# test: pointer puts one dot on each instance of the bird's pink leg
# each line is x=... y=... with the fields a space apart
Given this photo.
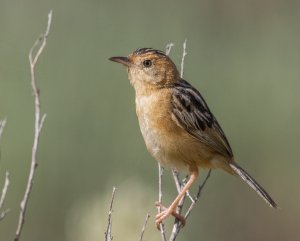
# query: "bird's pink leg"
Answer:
x=166 y=212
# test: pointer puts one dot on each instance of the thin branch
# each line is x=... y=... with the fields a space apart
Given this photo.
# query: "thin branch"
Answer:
x=41 y=41
x=177 y=223
x=4 y=213
x=189 y=196
x=182 y=59
x=2 y=125
x=175 y=174
x=179 y=187
x=34 y=55
x=160 y=174
x=144 y=226
x=4 y=189
x=3 y=196
x=108 y=234
x=169 y=48
x=198 y=195
x=6 y=182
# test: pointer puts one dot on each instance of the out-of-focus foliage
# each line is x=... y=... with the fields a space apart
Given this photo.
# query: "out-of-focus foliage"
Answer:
x=244 y=57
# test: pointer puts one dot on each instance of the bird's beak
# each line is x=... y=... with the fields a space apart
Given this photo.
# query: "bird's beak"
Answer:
x=122 y=60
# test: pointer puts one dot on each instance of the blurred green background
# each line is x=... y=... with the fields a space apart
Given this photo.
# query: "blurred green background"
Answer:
x=244 y=56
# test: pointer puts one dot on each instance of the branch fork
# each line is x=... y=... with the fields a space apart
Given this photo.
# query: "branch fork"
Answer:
x=34 y=54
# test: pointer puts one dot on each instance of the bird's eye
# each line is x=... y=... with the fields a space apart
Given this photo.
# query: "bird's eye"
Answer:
x=147 y=63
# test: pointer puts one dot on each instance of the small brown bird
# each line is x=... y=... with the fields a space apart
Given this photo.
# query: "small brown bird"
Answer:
x=177 y=126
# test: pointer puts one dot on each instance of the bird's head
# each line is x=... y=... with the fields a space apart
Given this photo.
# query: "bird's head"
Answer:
x=149 y=68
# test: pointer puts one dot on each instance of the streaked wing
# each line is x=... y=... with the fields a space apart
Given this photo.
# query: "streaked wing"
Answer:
x=192 y=114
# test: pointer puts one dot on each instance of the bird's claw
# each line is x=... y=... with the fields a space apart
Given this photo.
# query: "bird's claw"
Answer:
x=166 y=212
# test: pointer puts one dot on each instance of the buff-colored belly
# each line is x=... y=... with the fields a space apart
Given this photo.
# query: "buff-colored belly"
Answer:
x=166 y=141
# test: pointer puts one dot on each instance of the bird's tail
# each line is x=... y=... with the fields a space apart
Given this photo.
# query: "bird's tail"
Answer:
x=253 y=184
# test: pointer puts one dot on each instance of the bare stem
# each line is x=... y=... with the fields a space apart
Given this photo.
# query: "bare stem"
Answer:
x=4 y=213
x=175 y=174
x=2 y=125
x=183 y=57
x=169 y=48
x=4 y=189
x=160 y=174
x=108 y=233
x=179 y=187
x=3 y=195
x=34 y=55
x=177 y=223
x=144 y=226
x=198 y=195
x=6 y=182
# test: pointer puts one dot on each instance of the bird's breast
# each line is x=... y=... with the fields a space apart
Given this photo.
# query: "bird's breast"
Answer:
x=149 y=116
x=161 y=134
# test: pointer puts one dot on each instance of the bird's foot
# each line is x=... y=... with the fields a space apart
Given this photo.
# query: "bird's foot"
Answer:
x=166 y=212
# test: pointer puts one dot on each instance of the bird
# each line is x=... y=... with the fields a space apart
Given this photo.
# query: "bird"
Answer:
x=177 y=125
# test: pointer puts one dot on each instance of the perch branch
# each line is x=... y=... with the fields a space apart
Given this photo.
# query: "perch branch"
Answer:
x=34 y=55
x=161 y=225
x=179 y=187
x=177 y=223
x=179 y=184
x=108 y=234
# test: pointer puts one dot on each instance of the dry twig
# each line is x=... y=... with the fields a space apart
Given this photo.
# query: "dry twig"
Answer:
x=161 y=225
x=6 y=182
x=2 y=125
x=34 y=55
x=169 y=48
x=177 y=223
x=144 y=226
x=194 y=201
x=4 y=213
x=184 y=53
x=108 y=233
x=3 y=196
